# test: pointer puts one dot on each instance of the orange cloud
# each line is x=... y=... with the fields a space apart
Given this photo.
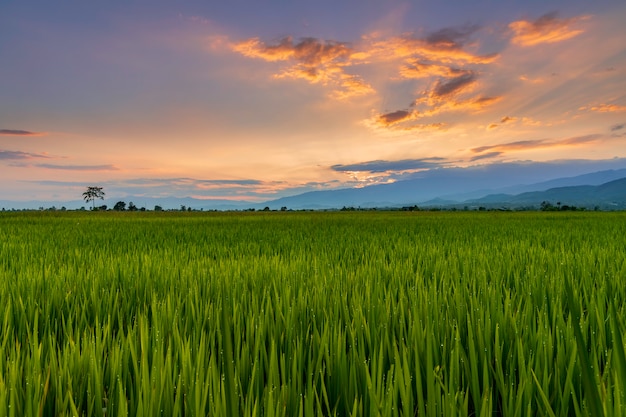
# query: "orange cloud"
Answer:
x=531 y=80
x=605 y=108
x=351 y=86
x=547 y=29
x=505 y=119
x=316 y=61
x=410 y=47
x=445 y=46
x=418 y=69
x=425 y=126
x=393 y=118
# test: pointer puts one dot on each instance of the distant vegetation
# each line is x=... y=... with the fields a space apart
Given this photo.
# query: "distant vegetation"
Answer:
x=300 y=313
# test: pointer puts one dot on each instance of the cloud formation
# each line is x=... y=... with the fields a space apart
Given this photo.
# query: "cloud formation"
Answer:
x=504 y=120
x=446 y=46
x=441 y=54
x=19 y=155
x=314 y=60
x=451 y=86
x=385 y=166
x=446 y=67
x=605 y=108
x=17 y=132
x=487 y=155
x=79 y=167
x=395 y=117
x=537 y=143
x=547 y=29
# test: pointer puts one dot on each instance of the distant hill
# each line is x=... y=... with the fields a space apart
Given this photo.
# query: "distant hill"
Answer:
x=611 y=195
x=490 y=186
x=449 y=187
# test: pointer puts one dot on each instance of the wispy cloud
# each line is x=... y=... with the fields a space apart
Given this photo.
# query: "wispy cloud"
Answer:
x=547 y=29
x=19 y=155
x=617 y=127
x=446 y=46
x=384 y=166
x=538 y=143
x=17 y=132
x=418 y=69
x=504 y=120
x=605 y=108
x=79 y=167
x=487 y=155
x=424 y=126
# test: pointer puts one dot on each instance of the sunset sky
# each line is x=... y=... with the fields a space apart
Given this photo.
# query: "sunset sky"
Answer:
x=254 y=100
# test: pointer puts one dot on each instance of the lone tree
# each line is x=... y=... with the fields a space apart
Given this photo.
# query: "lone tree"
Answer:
x=92 y=194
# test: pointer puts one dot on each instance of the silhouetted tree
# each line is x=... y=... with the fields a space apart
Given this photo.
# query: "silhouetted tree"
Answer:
x=92 y=194
x=132 y=206
x=119 y=206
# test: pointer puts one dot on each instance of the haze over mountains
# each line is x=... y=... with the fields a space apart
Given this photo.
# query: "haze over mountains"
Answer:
x=450 y=190
x=451 y=187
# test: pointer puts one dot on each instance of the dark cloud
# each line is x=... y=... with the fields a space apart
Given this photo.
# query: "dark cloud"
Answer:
x=487 y=155
x=19 y=155
x=392 y=118
x=383 y=166
x=16 y=132
x=79 y=167
x=452 y=37
x=453 y=85
x=617 y=127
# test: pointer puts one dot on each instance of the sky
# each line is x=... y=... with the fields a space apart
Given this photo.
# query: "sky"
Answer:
x=256 y=100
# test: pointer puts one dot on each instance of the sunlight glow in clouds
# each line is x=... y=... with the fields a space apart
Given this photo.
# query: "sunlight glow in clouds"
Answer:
x=202 y=99
x=547 y=29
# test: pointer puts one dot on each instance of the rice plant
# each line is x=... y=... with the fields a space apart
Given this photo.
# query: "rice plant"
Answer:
x=310 y=313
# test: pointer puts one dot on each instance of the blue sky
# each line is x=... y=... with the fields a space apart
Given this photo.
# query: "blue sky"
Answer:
x=253 y=100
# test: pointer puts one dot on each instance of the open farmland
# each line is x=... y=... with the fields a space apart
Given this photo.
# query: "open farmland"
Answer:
x=272 y=314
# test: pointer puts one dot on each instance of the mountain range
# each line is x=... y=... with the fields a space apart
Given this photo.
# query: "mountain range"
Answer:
x=460 y=190
x=451 y=187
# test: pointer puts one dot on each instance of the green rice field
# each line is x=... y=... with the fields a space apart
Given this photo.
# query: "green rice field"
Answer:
x=312 y=314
